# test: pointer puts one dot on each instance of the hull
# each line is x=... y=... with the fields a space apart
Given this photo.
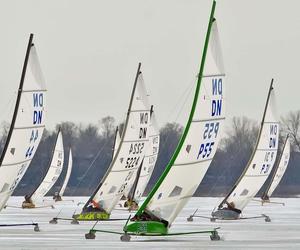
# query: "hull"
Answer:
x=225 y=214
x=146 y=228
x=91 y=216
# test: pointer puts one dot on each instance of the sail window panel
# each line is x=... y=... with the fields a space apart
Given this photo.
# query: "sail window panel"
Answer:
x=176 y=191
x=245 y=192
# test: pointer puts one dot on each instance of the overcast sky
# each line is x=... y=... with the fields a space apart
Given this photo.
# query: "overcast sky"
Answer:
x=89 y=52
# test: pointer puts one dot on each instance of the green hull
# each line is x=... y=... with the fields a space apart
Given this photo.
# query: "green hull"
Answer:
x=146 y=227
x=91 y=216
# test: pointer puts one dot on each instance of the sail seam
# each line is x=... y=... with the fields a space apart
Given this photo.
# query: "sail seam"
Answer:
x=16 y=163
x=41 y=126
x=206 y=120
x=192 y=163
x=38 y=90
x=204 y=76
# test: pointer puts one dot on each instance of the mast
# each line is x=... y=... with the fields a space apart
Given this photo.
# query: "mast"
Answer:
x=185 y=132
x=255 y=148
x=49 y=164
x=264 y=195
x=121 y=141
x=20 y=89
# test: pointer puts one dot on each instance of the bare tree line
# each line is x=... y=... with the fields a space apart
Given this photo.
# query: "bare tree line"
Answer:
x=93 y=140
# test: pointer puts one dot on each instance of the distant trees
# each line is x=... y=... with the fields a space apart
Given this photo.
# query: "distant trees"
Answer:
x=291 y=126
x=92 y=147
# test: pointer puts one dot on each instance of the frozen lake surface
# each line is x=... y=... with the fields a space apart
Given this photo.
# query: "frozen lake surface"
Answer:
x=281 y=233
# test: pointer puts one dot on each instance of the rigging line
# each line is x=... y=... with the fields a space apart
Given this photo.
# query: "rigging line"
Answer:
x=184 y=95
x=87 y=170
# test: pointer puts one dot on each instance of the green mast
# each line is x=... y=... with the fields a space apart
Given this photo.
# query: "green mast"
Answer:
x=185 y=132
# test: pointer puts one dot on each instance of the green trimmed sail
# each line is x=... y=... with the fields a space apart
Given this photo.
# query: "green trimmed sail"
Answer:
x=196 y=147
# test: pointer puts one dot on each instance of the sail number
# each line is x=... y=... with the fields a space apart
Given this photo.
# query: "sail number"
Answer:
x=269 y=158
x=136 y=148
x=211 y=130
x=131 y=162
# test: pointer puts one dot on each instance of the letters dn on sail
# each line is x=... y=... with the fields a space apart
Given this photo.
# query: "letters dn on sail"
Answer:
x=38 y=100
x=216 y=105
x=144 y=117
x=273 y=135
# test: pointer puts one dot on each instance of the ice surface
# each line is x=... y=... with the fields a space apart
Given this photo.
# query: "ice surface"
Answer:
x=281 y=233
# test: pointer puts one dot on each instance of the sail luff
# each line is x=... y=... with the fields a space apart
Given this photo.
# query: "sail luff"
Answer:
x=255 y=148
x=49 y=164
x=18 y=99
x=185 y=132
x=121 y=141
x=265 y=194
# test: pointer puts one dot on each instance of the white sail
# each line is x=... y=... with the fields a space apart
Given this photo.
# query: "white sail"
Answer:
x=193 y=157
x=27 y=125
x=68 y=174
x=121 y=173
x=149 y=160
x=282 y=166
x=261 y=162
x=53 y=172
x=117 y=142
